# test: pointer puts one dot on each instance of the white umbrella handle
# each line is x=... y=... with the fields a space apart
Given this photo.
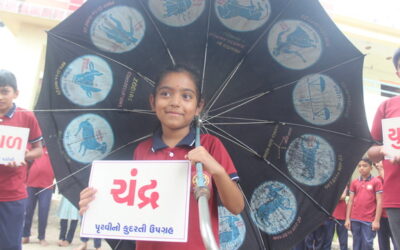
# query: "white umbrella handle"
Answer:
x=202 y=195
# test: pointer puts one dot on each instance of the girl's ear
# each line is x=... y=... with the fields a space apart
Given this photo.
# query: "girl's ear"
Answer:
x=152 y=102
x=200 y=107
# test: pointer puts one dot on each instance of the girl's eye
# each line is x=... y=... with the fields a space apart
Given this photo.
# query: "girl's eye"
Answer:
x=164 y=93
x=187 y=96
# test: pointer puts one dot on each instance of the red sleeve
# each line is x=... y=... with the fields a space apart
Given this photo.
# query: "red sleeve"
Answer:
x=378 y=186
x=35 y=133
x=219 y=152
x=353 y=187
x=376 y=130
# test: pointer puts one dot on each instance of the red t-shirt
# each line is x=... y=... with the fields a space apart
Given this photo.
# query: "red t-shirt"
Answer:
x=364 y=202
x=41 y=173
x=391 y=188
x=340 y=210
x=155 y=149
x=12 y=180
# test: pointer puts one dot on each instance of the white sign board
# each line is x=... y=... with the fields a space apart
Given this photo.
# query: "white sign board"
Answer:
x=391 y=135
x=139 y=200
x=13 y=142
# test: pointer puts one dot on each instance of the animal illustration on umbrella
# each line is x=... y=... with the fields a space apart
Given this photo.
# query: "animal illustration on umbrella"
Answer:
x=89 y=139
x=86 y=80
x=295 y=39
x=115 y=31
x=176 y=7
x=232 y=8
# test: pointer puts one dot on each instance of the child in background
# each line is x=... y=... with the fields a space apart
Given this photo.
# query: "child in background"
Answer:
x=67 y=212
x=340 y=215
x=40 y=177
x=13 y=192
x=176 y=100
x=364 y=208
x=384 y=232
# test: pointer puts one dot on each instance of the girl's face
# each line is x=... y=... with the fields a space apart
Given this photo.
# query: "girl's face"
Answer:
x=175 y=101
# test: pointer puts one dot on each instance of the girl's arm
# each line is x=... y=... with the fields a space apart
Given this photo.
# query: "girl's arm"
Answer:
x=35 y=152
x=378 y=212
x=347 y=223
x=228 y=190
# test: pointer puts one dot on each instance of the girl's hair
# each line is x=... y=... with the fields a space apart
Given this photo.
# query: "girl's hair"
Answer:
x=367 y=160
x=179 y=68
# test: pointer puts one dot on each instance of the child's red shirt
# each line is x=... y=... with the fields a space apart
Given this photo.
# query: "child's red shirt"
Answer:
x=13 y=180
x=364 y=202
x=155 y=149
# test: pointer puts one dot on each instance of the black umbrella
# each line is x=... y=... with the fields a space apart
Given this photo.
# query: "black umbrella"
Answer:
x=283 y=89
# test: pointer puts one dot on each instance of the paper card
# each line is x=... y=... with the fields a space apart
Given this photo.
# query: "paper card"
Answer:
x=391 y=135
x=13 y=141
x=139 y=200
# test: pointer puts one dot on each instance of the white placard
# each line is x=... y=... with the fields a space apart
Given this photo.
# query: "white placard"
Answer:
x=154 y=206
x=391 y=136
x=13 y=142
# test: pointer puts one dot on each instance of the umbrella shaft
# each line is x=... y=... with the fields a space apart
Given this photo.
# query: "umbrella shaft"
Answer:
x=205 y=224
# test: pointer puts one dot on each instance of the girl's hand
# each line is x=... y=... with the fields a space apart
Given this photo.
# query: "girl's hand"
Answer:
x=200 y=154
x=347 y=225
x=86 y=196
x=375 y=225
x=14 y=164
x=395 y=159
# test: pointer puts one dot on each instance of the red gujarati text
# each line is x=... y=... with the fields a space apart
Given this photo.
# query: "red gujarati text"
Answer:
x=394 y=135
x=130 y=197
x=7 y=141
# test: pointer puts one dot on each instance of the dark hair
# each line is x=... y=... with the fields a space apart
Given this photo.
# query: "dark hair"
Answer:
x=193 y=74
x=8 y=79
x=396 y=58
x=367 y=160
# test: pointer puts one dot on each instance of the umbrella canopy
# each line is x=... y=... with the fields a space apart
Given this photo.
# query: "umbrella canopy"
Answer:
x=283 y=90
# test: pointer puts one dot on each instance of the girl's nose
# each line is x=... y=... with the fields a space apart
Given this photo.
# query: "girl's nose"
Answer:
x=175 y=100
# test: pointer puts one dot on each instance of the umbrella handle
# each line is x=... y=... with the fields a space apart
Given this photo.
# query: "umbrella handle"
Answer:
x=199 y=166
x=202 y=194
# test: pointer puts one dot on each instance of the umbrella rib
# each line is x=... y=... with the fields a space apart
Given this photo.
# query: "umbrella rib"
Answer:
x=141 y=111
x=243 y=145
x=232 y=139
x=88 y=165
x=159 y=33
x=325 y=130
x=218 y=93
x=148 y=80
x=206 y=48
x=241 y=103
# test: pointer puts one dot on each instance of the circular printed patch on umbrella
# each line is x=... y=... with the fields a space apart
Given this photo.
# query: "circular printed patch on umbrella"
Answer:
x=117 y=30
x=294 y=44
x=274 y=207
x=88 y=137
x=243 y=15
x=177 y=13
x=87 y=80
x=310 y=160
x=318 y=99
x=232 y=229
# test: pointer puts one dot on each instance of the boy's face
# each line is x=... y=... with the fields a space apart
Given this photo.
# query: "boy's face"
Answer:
x=364 y=169
x=7 y=96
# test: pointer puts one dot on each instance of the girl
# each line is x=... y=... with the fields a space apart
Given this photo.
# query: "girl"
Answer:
x=176 y=100
x=67 y=212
